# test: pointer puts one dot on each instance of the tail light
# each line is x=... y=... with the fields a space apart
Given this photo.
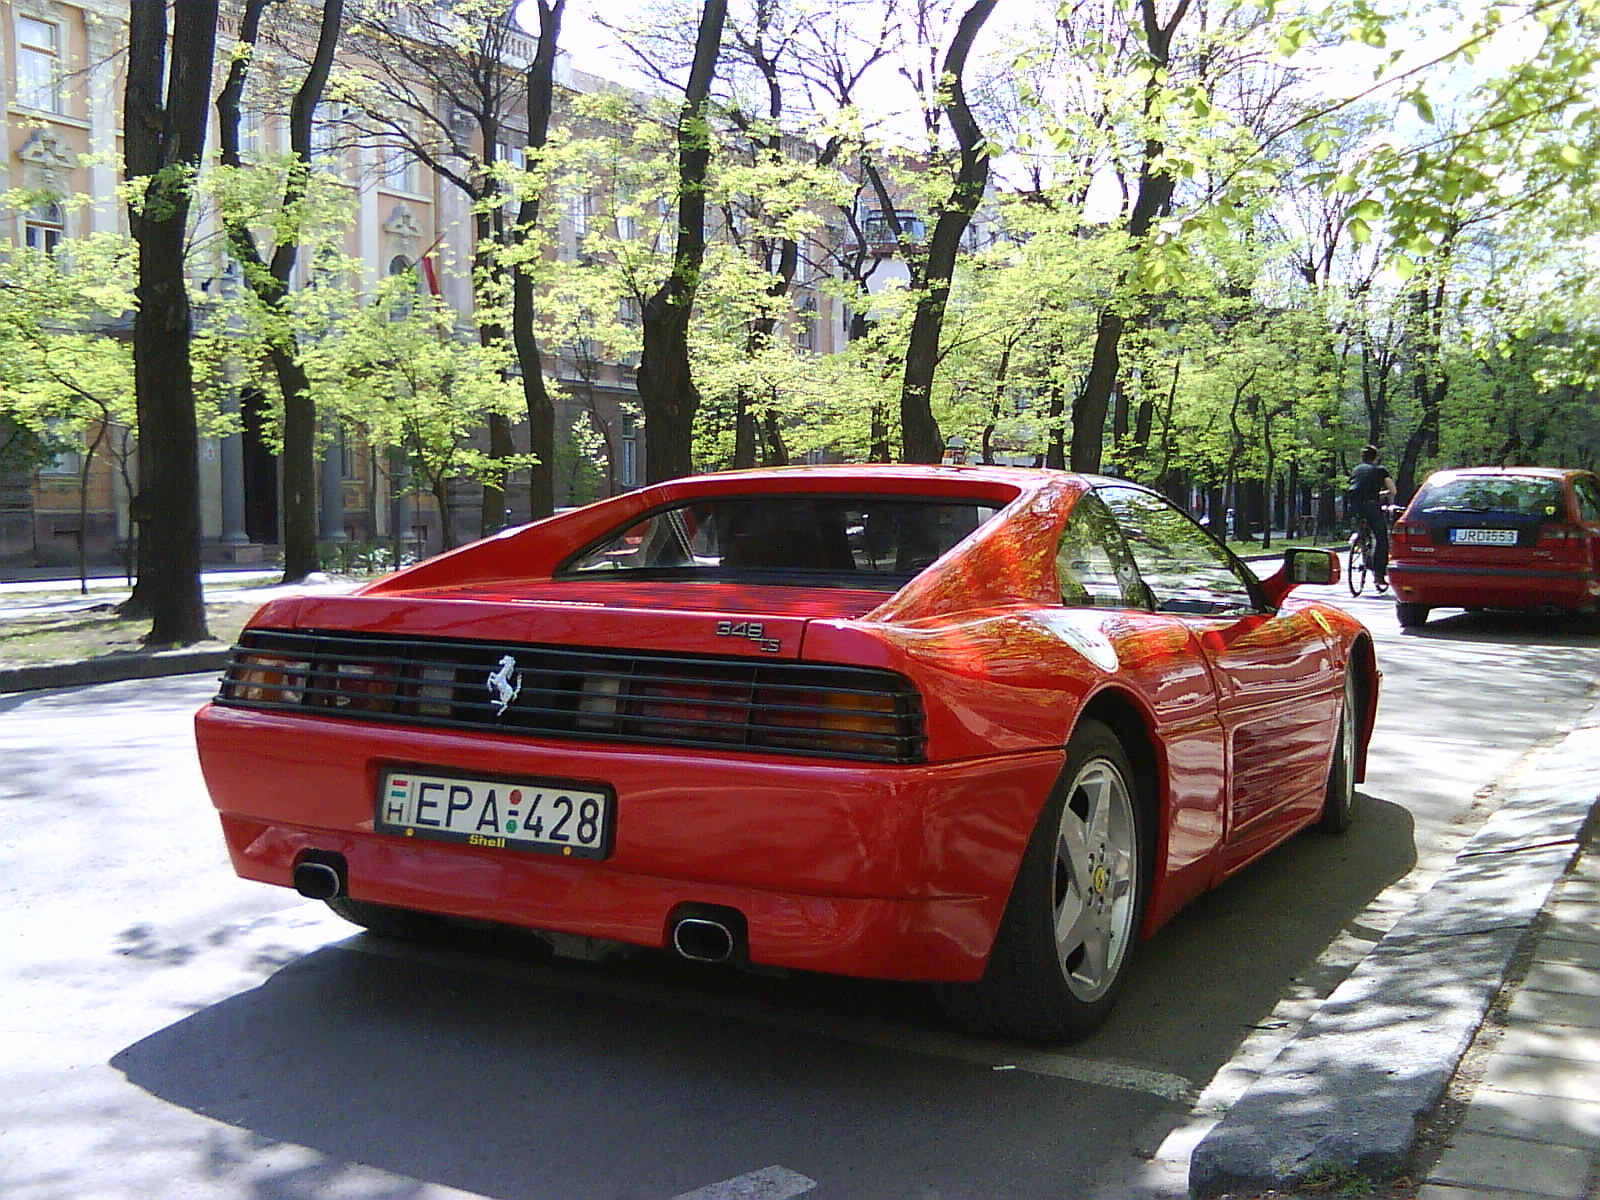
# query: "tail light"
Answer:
x=817 y=709
x=363 y=687
x=849 y=722
x=266 y=678
x=710 y=711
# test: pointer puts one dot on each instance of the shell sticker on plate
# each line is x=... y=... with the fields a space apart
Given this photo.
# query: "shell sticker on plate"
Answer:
x=550 y=816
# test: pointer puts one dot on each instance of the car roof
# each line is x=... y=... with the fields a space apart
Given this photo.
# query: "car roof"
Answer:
x=1506 y=473
x=846 y=474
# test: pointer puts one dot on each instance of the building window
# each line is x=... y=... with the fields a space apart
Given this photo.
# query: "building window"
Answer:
x=398 y=166
x=44 y=227
x=68 y=443
x=231 y=277
x=579 y=212
x=400 y=267
x=629 y=473
x=627 y=223
x=878 y=228
x=514 y=156
x=805 y=334
x=39 y=65
x=325 y=135
x=249 y=133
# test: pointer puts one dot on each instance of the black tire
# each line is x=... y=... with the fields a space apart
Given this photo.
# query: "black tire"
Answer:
x=1410 y=615
x=404 y=923
x=1339 y=798
x=1091 y=853
x=1355 y=575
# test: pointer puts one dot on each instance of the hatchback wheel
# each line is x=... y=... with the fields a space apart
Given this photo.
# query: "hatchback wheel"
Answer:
x=1411 y=615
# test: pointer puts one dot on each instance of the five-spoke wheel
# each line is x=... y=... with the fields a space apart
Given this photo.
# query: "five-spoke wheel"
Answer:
x=1064 y=945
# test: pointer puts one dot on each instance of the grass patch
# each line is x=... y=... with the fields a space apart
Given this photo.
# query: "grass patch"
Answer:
x=70 y=635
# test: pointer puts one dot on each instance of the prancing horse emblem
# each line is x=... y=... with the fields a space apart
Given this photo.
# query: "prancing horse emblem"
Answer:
x=503 y=688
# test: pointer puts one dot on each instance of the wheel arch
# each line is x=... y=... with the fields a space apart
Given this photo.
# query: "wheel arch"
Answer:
x=1121 y=712
x=1363 y=661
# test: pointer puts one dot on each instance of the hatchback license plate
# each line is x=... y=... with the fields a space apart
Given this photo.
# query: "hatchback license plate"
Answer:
x=551 y=816
x=1483 y=537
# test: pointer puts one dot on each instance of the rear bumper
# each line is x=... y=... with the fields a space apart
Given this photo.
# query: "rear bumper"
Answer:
x=880 y=871
x=1437 y=584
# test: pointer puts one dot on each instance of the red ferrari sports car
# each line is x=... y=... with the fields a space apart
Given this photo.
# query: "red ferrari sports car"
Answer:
x=978 y=726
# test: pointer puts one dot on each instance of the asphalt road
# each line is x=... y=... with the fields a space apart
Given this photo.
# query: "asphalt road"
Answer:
x=168 y=1030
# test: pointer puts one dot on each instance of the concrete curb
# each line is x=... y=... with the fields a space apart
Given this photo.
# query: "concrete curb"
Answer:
x=112 y=668
x=1354 y=1087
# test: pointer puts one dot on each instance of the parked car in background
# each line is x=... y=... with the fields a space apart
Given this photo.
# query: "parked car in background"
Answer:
x=977 y=726
x=1498 y=537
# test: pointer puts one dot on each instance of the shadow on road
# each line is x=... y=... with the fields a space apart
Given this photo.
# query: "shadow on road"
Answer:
x=522 y=1087
x=1516 y=628
x=1218 y=967
x=481 y=1066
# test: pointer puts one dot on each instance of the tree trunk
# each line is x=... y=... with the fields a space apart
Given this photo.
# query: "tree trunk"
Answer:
x=524 y=336
x=269 y=279
x=1154 y=197
x=164 y=138
x=666 y=383
x=919 y=431
x=299 y=462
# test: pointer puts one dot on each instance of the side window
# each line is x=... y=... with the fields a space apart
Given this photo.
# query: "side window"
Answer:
x=1588 y=496
x=1185 y=568
x=1092 y=563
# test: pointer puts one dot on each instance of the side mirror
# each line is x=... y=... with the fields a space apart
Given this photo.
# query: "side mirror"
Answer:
x=1301 y=564
x=1304 y=565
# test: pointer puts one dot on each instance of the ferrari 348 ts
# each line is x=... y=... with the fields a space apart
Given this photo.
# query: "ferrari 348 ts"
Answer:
x=978 y=726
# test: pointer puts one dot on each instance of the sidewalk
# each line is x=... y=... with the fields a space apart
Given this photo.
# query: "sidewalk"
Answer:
x=1482 y=1003
x=1531 y=1125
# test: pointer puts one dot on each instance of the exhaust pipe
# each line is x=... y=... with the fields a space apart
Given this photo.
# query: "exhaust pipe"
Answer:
x=317 y=880
x=700 y=939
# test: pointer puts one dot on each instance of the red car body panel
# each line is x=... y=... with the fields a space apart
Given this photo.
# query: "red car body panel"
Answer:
x=888 y=869
x=1555 y=562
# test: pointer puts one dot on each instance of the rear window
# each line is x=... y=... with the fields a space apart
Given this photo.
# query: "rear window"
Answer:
x=1526 y=496
x=853 y=541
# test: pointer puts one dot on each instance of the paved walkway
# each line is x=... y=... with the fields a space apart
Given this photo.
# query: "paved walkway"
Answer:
x=1531 y=1127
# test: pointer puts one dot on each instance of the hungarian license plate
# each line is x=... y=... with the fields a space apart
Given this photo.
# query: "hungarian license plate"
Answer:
x=1483 y=537
x=551 y=816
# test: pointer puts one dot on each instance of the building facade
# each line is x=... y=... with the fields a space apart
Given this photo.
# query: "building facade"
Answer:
x=61 y=66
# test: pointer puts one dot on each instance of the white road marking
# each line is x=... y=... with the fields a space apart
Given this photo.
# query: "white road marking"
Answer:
x=769 y=1183
x=957 y=1046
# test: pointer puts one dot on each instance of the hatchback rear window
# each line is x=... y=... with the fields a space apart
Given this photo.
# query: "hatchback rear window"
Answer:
x=860 y=541
x=1527 y=496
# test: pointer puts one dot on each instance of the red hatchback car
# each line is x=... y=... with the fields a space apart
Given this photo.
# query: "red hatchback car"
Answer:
x=1499 y=537
x=978 y=726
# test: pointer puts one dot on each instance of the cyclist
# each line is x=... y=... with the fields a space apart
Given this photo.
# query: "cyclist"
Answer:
x=1371 y=488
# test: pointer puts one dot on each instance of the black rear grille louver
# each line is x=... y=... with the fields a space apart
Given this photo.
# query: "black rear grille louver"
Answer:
x=582 y=693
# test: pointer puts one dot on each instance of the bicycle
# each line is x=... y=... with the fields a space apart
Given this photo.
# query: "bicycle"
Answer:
x=1358 y=557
